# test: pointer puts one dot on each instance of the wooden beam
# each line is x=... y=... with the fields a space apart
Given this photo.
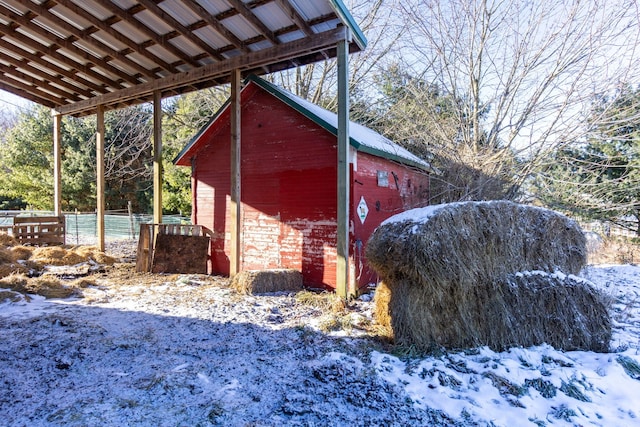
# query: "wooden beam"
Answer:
x=26 y=95
x=343 y=279
x=85 y=37
x=157 y=158
x=52 y=51
x=211 y=20
x=11 y=73
x=39 y=60
x=253 y=19
x=122 y=38
x=162 y=41
x=213 y=71
x=24 y=21
x=292 y=13
x=236 y=195
x=23 y=64
x=57 y=164
x=34 y=89
x=100 y=203
x=174 y=23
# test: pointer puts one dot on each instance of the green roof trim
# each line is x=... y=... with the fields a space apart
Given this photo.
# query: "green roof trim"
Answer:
x=320 y=115
x=346 y=17
x=361 y=138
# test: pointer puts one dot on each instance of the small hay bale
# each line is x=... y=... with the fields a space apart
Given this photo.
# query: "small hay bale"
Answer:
x=451 y=271
x=263 y=281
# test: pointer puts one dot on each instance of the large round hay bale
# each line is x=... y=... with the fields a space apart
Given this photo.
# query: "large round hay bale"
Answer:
x=264 y=281
x=451 y=270
x=468 y=242
x=520 y=310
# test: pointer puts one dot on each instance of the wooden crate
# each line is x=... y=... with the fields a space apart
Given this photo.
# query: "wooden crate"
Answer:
x=173 y=248
x=39 y=230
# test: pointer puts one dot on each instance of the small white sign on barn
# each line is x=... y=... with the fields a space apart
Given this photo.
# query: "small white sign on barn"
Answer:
x=363 y=209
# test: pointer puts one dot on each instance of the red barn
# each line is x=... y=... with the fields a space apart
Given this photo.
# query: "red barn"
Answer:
x=289 y=185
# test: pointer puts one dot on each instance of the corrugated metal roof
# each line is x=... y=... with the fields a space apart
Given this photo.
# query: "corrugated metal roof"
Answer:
x=100 y=47
x=360 y=137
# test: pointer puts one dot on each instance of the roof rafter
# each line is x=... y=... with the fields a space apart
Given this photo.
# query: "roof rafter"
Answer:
x=244 y=10
x=12 y=71
x=57 y=44
x=213 y=71
x=163 y=41
x=211 y=20
x=38 y=59
x=107 y=28
x=77 y=54
x=174 y=23
x=85 y=36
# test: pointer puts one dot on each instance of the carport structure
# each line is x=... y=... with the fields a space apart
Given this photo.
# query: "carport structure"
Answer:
x=82 y=57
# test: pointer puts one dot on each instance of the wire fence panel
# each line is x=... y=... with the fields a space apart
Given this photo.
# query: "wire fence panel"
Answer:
x=81 y=228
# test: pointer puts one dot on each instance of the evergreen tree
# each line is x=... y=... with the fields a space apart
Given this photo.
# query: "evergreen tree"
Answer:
x=599 y=178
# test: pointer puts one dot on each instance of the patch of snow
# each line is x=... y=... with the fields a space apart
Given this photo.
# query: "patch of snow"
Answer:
x=185 y=351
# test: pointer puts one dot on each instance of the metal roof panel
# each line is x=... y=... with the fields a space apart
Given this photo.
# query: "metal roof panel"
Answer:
x=126 y=39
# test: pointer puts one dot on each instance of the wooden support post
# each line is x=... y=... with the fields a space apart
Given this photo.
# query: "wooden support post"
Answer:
x=157 y=157
x=57 y=164
x=100 y=203
x=343 y=287
x=235 y=199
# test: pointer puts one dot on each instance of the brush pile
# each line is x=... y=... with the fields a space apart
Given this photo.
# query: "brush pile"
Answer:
x=497 y=273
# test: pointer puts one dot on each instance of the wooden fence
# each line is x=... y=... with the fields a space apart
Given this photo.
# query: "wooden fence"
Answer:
x=38 y=230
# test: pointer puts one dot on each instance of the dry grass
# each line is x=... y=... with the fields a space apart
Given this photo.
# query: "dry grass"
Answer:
x=615 y=250
x=51 y=287
x=22 y=252
x=452 y=280
x=382 y=315
x=325 y=301
x=6 y=256
x=57 y=255
x=92 y=252
x=16 y=261
x=46 y=286
x=6 y=240
x=263 y=281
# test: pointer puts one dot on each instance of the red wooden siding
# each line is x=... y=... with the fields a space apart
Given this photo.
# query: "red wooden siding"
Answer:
x=289 y=193
x=411 y=191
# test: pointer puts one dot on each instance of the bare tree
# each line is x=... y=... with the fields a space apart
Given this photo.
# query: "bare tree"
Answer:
x=318 y=82
x=521 y=74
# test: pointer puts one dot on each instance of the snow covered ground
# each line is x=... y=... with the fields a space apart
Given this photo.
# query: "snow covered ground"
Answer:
x=188 y=351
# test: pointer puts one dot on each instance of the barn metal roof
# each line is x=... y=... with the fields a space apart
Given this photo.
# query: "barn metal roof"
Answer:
x=360 y=137
x=73 y=55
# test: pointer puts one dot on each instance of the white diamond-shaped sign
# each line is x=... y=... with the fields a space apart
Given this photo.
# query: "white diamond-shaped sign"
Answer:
x=363 y=210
